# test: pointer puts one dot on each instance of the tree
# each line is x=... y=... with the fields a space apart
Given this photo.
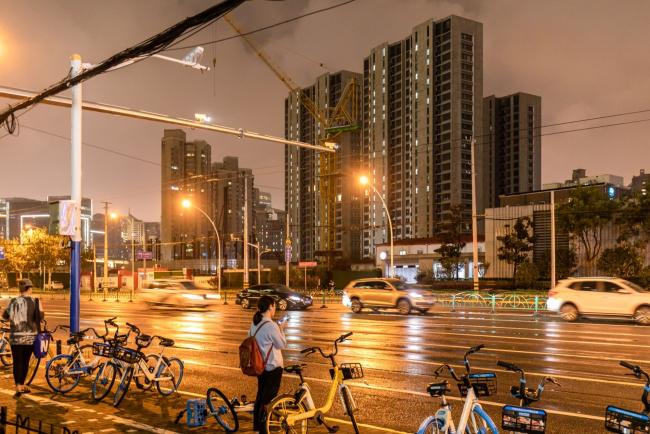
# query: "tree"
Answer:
x=566 y=261
x=585 y=216
x=516 y=243
x=634 y=220
x=621 y=261
x=527 y=274
x=16 y=257
x=451 y=243
x=44 y=251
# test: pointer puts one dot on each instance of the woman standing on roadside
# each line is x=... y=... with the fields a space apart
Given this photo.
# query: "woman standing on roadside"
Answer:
x=271 y=341
x=24 y=320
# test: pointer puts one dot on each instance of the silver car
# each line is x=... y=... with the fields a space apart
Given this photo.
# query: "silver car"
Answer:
x=179 y=293
x=386 y=293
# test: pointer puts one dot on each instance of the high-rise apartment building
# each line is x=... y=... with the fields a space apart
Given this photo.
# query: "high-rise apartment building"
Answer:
x=185 y=168
x=269 y=224
x=322 y=196
x=640 y=183
x=511 y=144
x=228 y=199
x=422 y=103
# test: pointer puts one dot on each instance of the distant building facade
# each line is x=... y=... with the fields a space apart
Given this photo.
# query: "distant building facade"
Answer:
x=185 y=168
x=322 y=197
x=511 y=142
x=640 y=183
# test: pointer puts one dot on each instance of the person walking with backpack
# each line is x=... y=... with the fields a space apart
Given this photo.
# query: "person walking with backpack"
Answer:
x=271 y=341
x=24 y=314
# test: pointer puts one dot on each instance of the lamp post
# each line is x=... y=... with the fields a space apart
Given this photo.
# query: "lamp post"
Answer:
x=363 y=180
x=259 y=260
x=186 y=203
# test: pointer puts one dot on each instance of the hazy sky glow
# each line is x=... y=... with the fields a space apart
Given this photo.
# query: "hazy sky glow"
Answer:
x=585 y=58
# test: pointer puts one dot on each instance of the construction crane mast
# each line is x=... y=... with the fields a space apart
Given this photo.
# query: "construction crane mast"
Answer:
x=334 y=121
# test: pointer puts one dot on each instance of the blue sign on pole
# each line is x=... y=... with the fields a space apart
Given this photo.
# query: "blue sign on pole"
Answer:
x=2 y=253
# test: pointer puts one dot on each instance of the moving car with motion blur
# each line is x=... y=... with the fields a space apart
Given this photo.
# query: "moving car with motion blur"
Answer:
x=284 y=297
x=386 y=293
x=177 y=293
x=599 y=296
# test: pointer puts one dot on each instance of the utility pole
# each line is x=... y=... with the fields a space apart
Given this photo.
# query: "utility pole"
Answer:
x=133 y=279
x=245 y=232
x=94 y=267
x=105 y=276
x=553 y=239
x=75 y=195
x=287 y=253
x=144 y=255
x=474 y=222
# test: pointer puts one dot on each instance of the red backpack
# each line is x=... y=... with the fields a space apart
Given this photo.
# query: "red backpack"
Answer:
x=250 y=355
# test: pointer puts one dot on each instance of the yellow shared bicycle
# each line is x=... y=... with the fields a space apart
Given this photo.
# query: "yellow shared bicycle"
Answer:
x=291 y=413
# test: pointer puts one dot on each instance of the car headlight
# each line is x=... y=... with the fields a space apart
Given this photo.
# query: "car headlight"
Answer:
x=295 y=298
x=415 y=295
x=193 y=296
x=213 y=296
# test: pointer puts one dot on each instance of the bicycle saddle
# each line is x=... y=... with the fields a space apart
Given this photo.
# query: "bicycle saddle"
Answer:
x=165 y=342
x=75 y=338
x=294 y=368
x=438 y=389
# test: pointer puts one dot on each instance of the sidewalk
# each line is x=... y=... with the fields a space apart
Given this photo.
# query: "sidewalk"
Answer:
x=141 y=412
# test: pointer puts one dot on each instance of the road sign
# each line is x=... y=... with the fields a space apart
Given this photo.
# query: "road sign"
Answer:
x=307 y=264
x=2 y=252
x=287 y=253
x=144 y=255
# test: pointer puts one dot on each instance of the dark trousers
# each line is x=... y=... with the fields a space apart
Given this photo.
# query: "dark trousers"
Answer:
x=268 y=385
x=21 y=354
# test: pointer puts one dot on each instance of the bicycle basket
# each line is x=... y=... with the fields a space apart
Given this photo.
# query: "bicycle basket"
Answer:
x=102 y=350
x=625 y=421
x=523 y=419
x=484 y=384
x=351 y=371
x=127 y=355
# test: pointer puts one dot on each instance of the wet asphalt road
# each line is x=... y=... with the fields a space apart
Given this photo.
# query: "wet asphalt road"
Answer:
x=399 y=355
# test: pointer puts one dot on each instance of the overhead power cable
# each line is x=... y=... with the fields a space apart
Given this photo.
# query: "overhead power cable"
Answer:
x=261 y=29
x=153 y=45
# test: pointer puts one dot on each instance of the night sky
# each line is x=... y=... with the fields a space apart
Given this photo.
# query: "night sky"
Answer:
x=585 y=58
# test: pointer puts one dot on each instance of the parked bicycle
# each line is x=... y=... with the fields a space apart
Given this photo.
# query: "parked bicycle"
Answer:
x=35 y=362
x=5 y=348
x=522 y=418
x=216 y=404
x=623 y=421
x=473 y=419
x=166 y=373
x=290 y=413
x=64 y=371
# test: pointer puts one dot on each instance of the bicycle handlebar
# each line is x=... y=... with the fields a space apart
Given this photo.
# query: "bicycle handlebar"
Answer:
x=509 y=366
x=342 y=338
x=472 y=350
x=449 y=369
x=636 y=369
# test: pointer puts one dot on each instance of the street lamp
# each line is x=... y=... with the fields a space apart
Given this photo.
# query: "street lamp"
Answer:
x=363 y=180
x=186 y=203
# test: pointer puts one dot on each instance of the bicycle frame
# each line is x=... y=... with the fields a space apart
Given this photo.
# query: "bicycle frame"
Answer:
x=143 y=369
x=336 y=386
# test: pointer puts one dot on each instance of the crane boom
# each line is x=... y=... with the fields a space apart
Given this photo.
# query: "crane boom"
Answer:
x=284 y=78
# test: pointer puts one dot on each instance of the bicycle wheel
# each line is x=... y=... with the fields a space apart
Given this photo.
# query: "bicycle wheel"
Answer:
x=34 y=363
x=170 y=375
x=123 y=387
x=58 y=376
x=349 y=407
x=5 y=353
x=222 y=410
x=277 y=412
x=431 y=425
x=480 y=422
x=104 y=380
x=141 y=380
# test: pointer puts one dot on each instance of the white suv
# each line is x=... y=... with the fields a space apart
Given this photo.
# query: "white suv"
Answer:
x=599 y=296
